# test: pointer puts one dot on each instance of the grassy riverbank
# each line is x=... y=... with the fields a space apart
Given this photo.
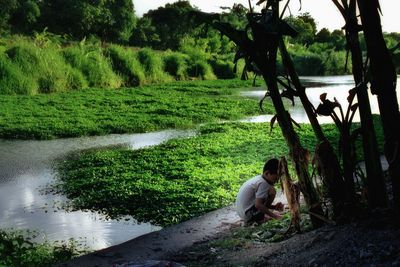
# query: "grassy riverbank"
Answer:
x=179 y=179
x=129 y=110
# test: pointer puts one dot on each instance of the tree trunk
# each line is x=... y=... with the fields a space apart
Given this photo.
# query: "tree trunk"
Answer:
x=370 y=146
x=292 y=193
x=383 y=84
x=265 y=59
x=327 y=162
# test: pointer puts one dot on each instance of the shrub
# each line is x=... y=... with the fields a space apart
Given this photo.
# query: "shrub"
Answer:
x=335 y=63
x=201 y=69
x=175 y=65
x=95 y=67
x=126 y=65
x=223 y=69
x=308 y=64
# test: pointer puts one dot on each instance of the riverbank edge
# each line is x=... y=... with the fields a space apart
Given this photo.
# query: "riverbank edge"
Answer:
x=156 y=245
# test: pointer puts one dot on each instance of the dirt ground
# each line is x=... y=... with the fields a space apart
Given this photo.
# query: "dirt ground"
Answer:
x=373 y=241
x=212 y=240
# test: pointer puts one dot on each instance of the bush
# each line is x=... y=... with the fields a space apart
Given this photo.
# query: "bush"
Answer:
x=201 y=69
x=175 y=65
x=308 y=64
x=126 y=65
x=153 y=66
x=335 y=63
x=223 y=69
x=95 y=67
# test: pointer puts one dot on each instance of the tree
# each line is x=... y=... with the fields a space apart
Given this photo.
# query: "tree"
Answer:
x=19 y=15
x=370 y=147
x=145 y=34
x=383 y=84
x=260 y=52
x=8 y=7
x=171 y=23
x=110 y=20
x=26 y=16
x=323 y=36
x=305 y=26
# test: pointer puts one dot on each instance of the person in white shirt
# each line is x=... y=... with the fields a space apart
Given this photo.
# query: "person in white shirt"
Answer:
x=255 y=197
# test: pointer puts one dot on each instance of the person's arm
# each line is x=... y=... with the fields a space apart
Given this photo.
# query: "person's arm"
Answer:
x=264 y=209
x=278 y=206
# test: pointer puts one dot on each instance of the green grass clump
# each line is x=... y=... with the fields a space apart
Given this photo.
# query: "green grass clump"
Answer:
x=126 y=64
x=153 y=66
x=45 y=67
x=129 y=110
x=95 y=67
x=175 y=64
x=201 y=69
x=18 y=249
x=223 y=69
x=13 y=81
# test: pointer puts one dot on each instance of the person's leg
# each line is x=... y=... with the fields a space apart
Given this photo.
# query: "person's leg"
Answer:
x=254 y=215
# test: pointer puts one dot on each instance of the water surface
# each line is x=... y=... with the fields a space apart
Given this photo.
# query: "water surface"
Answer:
x=335 y=87
x=26 y=169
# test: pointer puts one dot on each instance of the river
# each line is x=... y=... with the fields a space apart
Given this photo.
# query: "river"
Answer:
x=26 y=168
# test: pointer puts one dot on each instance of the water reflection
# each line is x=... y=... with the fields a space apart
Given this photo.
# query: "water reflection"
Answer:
x=26 y=167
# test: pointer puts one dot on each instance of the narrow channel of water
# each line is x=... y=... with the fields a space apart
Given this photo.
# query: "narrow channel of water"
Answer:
x=26 y=168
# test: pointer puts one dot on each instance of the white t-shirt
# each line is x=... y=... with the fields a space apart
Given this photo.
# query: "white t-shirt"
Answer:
x=256 y=187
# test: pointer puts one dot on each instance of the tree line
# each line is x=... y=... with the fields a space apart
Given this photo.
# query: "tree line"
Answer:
x=173 y=27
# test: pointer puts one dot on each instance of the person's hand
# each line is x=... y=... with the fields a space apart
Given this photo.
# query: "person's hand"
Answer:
x=277 y=216
x=279 y=206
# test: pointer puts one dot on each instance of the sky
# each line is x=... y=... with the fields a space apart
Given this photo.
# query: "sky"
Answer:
x=324 y=11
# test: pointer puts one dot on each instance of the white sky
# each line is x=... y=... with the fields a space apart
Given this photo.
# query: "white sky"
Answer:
x=324 y=11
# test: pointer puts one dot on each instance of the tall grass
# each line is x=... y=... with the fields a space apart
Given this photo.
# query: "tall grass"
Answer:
x=95 y=67
x=153 y=66
x=201 y=69
x=175 y=64
x=44 y=67
x=13 y=81
x=125 y=63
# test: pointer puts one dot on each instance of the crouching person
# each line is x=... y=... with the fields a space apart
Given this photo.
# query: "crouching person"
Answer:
x=255 y=197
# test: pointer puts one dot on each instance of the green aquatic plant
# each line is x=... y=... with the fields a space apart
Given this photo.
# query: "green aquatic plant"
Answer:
x=18 y=248
x=129 y=110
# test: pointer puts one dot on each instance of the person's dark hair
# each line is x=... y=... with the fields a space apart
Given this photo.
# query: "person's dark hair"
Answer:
x=271 y=166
